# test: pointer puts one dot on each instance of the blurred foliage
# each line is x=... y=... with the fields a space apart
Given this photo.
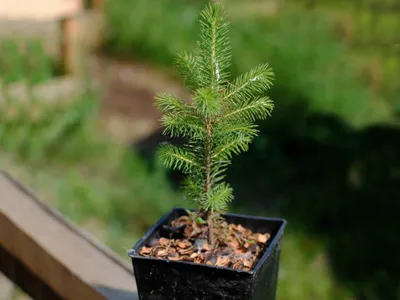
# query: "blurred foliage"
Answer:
x=63 y=145
x=304 y=271
x=44 y=137
x=299 y=46
x=370 y=29
x=27 y=62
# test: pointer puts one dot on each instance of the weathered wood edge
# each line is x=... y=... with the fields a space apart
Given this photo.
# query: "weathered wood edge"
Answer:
x=84 y=234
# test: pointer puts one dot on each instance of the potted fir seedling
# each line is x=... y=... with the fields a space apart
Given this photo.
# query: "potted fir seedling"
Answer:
x=207 y=253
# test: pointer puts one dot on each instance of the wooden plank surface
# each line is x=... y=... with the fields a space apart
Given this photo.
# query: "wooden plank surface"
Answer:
x=67 y=259
x=38 y=9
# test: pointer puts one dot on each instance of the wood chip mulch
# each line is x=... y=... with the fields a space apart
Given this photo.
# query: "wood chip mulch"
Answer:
x=238 y=247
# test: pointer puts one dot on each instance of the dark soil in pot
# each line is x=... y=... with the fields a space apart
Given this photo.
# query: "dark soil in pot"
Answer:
x=187 y=238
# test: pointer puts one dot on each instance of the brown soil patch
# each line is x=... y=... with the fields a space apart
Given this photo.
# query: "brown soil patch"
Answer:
x=127 y=96
x=237 y=248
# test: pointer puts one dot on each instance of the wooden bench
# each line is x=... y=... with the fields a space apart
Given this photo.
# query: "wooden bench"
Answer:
x=50 y=258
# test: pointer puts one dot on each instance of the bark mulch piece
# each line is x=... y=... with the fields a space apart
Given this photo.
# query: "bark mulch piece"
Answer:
x=236 y=247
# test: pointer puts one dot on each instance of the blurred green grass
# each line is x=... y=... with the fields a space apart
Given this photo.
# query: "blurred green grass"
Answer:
x=370 y=29
x=25 y=61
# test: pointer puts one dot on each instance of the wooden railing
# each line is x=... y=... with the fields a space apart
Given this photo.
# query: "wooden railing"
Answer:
x=50 y=258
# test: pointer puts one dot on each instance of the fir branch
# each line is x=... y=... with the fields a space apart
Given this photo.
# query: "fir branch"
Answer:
x=218 y=198
x=237 y=127
x=168 y=103
x=177 y=158
x=183 y=125
x=214 y=49
x=188 y=69
x=259 y=109
x=193 y=187
x=232 y=144
x=207 y=102
x=218 y=170
x=250 y=85
x=233 y=138
x=207 y=160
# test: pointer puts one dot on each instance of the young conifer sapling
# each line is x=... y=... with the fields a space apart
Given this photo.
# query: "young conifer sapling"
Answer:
x=218 y=124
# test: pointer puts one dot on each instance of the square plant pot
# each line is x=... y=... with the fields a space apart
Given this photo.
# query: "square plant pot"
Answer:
x=159 y=279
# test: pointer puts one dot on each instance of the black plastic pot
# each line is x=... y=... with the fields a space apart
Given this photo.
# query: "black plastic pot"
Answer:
x=161 y=279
